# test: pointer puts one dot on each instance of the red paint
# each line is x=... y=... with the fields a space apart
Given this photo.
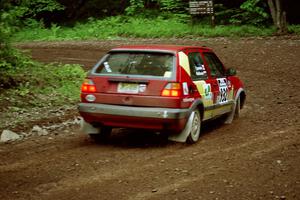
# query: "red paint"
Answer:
x=158 y=93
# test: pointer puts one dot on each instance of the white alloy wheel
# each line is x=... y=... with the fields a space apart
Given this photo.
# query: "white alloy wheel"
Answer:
x=196 y=126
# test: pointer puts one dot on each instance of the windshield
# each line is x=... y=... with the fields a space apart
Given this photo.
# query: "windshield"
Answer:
x=137 y=63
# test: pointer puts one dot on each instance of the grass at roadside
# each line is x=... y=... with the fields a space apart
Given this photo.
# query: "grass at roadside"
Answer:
x=32 y=84
x=294 y=29
x=31 y=91
x=115 y=27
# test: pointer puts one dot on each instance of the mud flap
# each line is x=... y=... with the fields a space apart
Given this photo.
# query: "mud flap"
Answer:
x=87 y=128
x=230 y=116
x=181 y=137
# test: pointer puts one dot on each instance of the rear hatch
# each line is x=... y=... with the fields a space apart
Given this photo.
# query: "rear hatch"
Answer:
x=135 y=78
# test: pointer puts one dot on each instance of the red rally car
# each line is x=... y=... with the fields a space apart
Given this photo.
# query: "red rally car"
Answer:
x=159 y=87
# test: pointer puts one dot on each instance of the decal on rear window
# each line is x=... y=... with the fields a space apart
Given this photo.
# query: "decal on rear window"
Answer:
x=200 y=70
x=197 y=67
x=168 y=74
x=107 y=67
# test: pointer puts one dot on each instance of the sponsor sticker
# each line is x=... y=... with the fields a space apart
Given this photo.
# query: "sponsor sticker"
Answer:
x=223 y=90
x=199 y=73
x=200 y=70
x=142 y=87
x=207 y=91
x=188 y=100
x=185 y=88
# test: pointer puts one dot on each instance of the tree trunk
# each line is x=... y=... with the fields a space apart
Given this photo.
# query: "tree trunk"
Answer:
x=278 y=15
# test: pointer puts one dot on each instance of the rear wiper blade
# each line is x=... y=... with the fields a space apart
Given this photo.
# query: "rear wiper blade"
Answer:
x=124 y=80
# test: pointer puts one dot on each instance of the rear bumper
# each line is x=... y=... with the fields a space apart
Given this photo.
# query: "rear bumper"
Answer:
x=130 y=111
x=134 y=117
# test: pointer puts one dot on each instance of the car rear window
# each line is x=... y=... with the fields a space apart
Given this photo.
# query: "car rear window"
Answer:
x=137 y=63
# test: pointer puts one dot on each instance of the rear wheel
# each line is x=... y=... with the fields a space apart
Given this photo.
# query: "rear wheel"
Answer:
x=104 y=133
x=196 y=126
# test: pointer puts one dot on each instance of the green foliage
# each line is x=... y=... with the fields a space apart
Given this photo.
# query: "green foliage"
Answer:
x=124 y=26
x=61 y=81
x=251 y=12
x=36 y=7
x=36 y=84
x=20 y=12
x=11 y=17
x=138 y=7
x=176 y=6
x=135 y=7
x=7 y=25
x=11 y=59
x=25 y=81
x=28 y=11
x=294 y=29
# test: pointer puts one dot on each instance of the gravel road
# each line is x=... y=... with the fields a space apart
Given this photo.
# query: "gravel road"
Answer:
x=255 y=157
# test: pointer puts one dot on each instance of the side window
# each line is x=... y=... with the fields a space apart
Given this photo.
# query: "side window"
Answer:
x=214 y=64
x=197 y=68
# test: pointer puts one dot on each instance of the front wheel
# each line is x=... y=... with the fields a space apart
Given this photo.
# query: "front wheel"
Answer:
x=195 y=129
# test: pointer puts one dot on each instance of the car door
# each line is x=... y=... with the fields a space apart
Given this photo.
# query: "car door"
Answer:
x=199 y=75
x=220 y=84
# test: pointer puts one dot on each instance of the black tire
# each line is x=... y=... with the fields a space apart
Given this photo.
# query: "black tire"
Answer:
x=103 y=135
x=196 y=128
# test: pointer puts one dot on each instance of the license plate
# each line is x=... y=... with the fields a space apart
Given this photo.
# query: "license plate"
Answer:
x=131 y=88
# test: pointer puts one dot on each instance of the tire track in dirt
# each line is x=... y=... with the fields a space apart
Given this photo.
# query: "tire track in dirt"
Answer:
x=256 y=157
x=104 y=175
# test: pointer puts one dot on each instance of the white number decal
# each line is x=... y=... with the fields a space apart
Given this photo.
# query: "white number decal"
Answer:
x=223 y=90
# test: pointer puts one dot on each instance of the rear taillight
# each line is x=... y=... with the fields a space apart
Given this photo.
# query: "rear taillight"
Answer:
x=88 y=86
x=172 y=90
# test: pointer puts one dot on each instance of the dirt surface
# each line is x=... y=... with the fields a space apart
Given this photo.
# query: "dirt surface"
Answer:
x=256 y=157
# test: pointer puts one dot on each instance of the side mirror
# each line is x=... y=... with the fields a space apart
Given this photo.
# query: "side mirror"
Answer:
x=230 y=72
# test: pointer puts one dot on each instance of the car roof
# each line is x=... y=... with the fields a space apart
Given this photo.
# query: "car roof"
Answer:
x=173 y=48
